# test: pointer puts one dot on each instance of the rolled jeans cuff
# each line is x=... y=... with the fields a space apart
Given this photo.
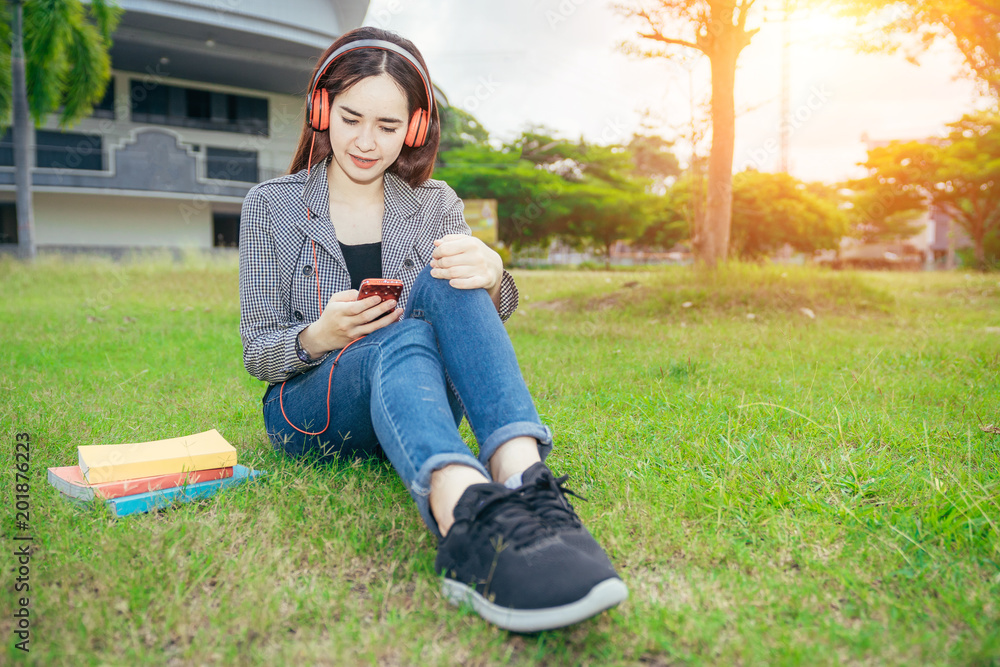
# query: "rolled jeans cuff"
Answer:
x=420 y=487
x=539 y=432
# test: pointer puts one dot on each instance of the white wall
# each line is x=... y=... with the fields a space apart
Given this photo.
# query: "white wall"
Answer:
x=108 y=220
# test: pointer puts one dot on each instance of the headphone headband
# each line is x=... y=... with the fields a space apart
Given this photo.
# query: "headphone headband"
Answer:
x=373 y=44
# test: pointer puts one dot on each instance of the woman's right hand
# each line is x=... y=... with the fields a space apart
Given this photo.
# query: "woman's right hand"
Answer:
x=345 y=319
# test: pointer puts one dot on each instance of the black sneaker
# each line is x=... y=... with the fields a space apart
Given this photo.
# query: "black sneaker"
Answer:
x=516 y=572
x=546 y=495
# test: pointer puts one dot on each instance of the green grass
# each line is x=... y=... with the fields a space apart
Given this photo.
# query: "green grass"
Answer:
x=774 y=490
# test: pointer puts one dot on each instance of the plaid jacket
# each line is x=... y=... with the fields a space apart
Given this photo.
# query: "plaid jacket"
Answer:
x=277 y=283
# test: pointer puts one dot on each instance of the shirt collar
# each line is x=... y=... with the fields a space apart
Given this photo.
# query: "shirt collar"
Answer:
x=400 y=200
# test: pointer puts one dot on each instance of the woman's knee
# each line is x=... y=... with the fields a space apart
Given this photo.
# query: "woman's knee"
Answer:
x=410 y=331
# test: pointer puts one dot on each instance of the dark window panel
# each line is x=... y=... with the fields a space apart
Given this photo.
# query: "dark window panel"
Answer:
x=201 y=109
x=199 y=104
x=7 y=149
x=106 y=107
x=8 y=222
x=68 y=150
x=226 y=230
x=231 y=165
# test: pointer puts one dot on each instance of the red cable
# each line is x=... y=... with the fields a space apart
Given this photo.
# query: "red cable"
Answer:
x=319 y=299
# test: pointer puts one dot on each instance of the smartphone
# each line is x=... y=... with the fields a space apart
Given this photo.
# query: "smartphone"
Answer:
x=384 y=287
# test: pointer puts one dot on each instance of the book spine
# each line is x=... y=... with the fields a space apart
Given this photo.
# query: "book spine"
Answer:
x=145 y=502
x=131 y=487
x=101 y=474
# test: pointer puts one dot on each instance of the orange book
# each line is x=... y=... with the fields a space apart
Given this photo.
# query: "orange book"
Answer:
x=71 y=482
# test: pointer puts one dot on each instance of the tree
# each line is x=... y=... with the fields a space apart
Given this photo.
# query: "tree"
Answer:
x=653 y=157
x=604 y=215
x=59 y=58
x=959 y=175
x=718 y=30
x=972 y=25
x=549 y=187
x=771 y=210
x=459 y=127
x=528 y=197
x=671 y=217
x=878 y=213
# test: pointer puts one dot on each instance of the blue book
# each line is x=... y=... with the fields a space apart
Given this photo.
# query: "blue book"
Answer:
x=153 y=500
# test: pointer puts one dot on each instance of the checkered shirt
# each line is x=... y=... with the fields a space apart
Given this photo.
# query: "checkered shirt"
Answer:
x=278 y=296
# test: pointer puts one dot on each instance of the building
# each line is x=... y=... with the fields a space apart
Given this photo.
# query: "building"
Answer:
x=206 y=99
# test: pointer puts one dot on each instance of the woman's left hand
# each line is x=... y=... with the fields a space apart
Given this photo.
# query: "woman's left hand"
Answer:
x=466 y=263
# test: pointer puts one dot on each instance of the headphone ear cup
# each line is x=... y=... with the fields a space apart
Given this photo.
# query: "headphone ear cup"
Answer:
x=416 y=132
x=319 y=118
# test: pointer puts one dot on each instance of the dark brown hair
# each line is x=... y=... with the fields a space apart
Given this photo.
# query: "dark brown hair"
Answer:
x=414 y=165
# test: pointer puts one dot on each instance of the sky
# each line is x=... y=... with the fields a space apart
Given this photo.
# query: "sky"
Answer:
x=557 y=63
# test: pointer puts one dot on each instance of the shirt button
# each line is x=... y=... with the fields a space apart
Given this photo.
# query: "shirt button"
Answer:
x=298 y=315
x=408 y=263
x=307 y=270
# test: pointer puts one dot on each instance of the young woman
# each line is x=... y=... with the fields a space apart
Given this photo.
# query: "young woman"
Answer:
x=368 y=377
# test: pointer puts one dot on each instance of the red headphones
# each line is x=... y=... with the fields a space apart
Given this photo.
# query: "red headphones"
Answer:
x=318 y=109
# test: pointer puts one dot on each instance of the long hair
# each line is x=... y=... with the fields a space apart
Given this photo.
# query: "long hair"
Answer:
x=414 y=165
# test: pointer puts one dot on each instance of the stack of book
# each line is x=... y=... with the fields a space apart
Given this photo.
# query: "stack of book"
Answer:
x=146 y=476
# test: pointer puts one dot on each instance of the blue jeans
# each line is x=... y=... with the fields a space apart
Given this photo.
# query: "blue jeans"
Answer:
x=403 y=389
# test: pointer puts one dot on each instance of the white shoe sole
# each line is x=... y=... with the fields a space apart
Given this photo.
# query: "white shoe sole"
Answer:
x=604 y=595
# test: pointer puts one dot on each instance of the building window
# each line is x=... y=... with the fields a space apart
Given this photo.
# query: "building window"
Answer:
x=198 y=108
x=68 y=150
x=58 y=150
x=231 y=165
x=7 y=149
x=226 y=230
x=8 y=223
x=106 y=107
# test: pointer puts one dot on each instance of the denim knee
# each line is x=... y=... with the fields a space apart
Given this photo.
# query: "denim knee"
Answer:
x=416 y=331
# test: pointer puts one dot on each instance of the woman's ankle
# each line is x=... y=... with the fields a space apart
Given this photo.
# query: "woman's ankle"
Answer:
x=447 y=486
x=513 y=457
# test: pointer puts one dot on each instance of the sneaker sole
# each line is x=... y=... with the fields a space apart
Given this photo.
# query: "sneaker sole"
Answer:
x=601 y=597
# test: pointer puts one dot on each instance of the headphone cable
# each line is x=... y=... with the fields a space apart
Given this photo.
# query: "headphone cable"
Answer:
x=319 y=300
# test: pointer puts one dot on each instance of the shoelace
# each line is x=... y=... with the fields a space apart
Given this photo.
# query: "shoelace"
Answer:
x=509 y=511
x=547 y=497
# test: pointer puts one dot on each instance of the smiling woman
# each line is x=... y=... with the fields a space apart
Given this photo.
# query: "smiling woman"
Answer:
x=365 y=130
x=354 y=377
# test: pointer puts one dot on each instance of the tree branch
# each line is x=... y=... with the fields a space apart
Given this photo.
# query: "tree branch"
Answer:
x=983 y=6
x=657 y=37
x=744 y=11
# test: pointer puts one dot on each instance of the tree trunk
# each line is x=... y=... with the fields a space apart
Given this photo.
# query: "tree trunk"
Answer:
x=719 y=206
x=23 y=132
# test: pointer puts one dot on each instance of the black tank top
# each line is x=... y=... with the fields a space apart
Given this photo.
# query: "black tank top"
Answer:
x=363 y=261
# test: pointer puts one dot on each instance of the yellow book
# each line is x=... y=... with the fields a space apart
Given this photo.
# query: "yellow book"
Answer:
x=115 y=463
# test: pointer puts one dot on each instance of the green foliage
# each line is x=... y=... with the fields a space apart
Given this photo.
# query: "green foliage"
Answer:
x=973 y=26
x=526 y=196
x=459 y=127
x=653 y=157
x=671 y=216
x=878 y=212
x=960 y=174
x=770 y=210
x=66 y=47
x=547 y=187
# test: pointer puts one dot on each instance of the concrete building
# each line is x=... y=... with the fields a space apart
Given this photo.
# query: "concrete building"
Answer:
x=206 y=99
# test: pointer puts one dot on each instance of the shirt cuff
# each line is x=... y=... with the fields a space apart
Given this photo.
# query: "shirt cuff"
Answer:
x=294 y=364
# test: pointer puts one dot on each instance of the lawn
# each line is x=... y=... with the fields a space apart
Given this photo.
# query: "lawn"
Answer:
x=787 y=465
